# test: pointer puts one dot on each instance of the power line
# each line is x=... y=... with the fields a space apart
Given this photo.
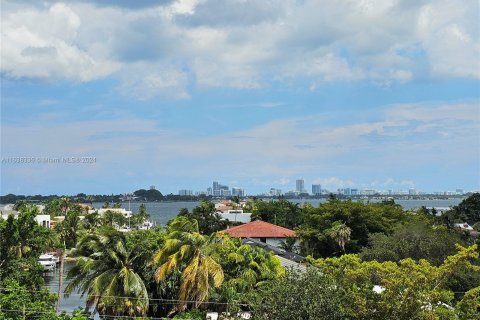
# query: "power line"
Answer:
x=41 y=313
x=167 y=301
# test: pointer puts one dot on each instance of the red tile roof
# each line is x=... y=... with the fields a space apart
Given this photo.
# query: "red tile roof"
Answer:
x=259 y=229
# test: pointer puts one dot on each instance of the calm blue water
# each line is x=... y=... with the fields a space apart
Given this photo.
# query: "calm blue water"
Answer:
x=51 y=282
x=161 y=212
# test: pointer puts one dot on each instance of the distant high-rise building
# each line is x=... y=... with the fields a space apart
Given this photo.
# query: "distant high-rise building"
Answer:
x=345 y=191
x=300 y=185
x=152 y=187
x=412 y=192
x=225 y=193
x=275 y=192
x=219 y=190
x=184 y=192
x=316 y=189
x=238 y=192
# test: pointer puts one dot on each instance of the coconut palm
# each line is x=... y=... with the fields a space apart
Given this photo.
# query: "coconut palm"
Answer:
x=247 y=267
x=141 y=216
x=65 y=204
x=92 y=220
x=106 y=271
x=187 y=250
x=68 y=228
x=340 y=233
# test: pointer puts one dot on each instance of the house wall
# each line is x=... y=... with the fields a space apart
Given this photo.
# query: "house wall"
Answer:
x=236 y=217
x=43 y=220
x=276 y=242
x=272 y=241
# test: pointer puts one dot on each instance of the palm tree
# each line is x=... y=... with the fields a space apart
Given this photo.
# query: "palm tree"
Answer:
x=249 y=266
x=142 y=215
x=187 y=250
x=105 y=270
x=65 y=204
x=92 y=220
x=340 y=233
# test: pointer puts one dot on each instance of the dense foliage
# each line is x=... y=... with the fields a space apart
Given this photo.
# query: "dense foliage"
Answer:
x=417 y=239
x=466 y=211
x=22 y=295
x=407 y=289
x=376 y=262
x=348 y=288
x=308 y=296
x=209 y=221
x=282 y=212
x=362 y=220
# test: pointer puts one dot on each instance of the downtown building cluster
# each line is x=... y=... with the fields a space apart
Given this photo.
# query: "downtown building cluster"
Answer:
x=216 y=190
x=316 y=190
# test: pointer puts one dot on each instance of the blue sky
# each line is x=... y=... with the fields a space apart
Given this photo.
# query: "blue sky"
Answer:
x=255 y=94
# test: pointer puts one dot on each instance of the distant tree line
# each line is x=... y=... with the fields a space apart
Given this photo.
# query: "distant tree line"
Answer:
x=141 y=195
x=152 y=195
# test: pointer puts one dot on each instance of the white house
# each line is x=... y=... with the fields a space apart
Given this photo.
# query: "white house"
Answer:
x=102 y=211
x=43 y=220
x=235 y=216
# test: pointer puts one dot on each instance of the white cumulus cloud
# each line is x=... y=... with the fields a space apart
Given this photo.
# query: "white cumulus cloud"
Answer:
x=242 y=44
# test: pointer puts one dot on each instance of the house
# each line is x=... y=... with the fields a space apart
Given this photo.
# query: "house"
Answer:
x=235 y=216
x=43 y=220
x=438 y=210
x=102 y=211
x=262 y=231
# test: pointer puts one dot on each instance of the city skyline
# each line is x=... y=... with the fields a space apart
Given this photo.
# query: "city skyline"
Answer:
x=257 y=95
x=316 y=189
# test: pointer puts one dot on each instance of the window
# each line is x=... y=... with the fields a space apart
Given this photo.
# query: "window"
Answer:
x=264 y=240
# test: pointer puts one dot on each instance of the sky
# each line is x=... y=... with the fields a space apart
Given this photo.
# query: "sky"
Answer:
x=372 y=94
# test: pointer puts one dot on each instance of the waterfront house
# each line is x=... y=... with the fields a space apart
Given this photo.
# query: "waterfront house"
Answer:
x=262 y=231
x=126 y=213
x=41 y=219
x=235 y=216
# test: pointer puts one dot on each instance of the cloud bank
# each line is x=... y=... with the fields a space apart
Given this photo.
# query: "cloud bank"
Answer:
x=166 y=49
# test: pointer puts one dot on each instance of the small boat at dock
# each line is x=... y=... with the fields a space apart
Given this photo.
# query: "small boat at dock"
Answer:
x=48 y=261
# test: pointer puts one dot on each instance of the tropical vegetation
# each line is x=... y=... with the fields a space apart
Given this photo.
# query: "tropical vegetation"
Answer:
x=364 y=261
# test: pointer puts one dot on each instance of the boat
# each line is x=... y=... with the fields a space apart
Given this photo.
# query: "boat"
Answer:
x=54 y=257
x=147 y=225
x=47 y=261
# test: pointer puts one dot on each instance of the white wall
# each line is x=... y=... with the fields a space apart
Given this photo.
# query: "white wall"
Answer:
x=43 y=220
x=236 y=217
